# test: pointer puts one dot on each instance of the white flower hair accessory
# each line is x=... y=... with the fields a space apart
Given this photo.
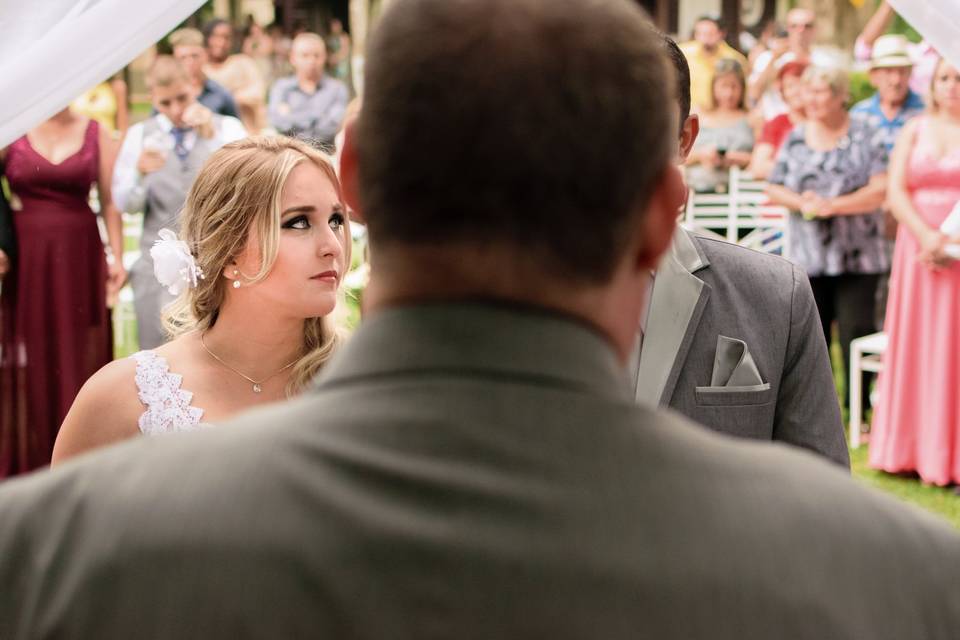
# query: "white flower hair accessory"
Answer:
x=173 y=264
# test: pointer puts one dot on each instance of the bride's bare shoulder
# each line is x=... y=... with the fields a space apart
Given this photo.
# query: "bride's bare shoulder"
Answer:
x=105 y=411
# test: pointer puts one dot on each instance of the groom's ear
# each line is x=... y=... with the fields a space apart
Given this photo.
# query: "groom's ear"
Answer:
x=349 y=171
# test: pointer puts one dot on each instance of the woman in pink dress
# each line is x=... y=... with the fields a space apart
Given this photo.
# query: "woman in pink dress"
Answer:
x=916 y=424
x=54 y=321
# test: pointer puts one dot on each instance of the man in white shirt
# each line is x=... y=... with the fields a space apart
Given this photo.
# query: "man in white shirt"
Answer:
x=159 y=159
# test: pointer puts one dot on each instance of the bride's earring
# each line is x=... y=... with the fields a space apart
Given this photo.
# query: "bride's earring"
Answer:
x=236 y=283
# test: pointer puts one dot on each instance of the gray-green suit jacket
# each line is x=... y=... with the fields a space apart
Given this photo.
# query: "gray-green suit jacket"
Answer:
x=467 y=472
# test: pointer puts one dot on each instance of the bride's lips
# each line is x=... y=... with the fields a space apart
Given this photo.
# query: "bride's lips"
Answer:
x=327 y=276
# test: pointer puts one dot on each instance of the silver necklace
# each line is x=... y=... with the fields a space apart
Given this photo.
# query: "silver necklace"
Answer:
x=257 y=388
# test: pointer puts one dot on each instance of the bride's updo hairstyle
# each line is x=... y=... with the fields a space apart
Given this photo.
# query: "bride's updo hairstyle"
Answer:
x=237 y=190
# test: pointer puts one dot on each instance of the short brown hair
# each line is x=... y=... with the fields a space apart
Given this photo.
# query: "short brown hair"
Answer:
x=165 y=71
x=186 y=37
x=544 y=134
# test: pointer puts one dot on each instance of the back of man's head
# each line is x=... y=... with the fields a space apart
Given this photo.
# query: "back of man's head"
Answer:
x=543 y=134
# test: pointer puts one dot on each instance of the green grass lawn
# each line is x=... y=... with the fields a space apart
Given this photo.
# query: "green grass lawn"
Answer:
x=943 y=502
x=938 y=500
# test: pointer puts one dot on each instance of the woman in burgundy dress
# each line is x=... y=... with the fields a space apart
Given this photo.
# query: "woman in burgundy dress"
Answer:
x=54 y=323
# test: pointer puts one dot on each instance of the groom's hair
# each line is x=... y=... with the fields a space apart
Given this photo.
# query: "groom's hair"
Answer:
x=544 y=133
x=681 y=69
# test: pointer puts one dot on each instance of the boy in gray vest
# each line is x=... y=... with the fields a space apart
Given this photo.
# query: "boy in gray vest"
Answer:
x=157 y=164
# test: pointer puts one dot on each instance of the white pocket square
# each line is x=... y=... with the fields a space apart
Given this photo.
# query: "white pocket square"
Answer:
x=733 y=366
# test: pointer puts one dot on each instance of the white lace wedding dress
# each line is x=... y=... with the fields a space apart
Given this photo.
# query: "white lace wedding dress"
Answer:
x=168 y=406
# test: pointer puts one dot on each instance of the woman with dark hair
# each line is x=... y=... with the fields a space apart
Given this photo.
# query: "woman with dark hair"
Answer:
x=726 y=138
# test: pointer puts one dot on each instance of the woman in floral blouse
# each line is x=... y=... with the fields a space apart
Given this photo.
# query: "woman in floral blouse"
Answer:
x=831 y=174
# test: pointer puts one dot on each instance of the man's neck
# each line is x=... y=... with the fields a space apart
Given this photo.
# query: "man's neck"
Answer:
x=891 y=108
x=427 y=276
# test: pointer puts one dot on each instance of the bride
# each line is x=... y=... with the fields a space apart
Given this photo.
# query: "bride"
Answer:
x=264 y=246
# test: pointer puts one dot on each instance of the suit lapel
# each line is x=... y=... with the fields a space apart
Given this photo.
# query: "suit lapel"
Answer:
x=676 y=307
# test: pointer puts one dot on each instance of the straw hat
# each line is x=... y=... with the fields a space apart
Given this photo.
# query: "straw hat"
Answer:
x=890 y=51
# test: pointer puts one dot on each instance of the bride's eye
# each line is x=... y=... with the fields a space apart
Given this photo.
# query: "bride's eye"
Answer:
x=336 y=221
x=298 y=222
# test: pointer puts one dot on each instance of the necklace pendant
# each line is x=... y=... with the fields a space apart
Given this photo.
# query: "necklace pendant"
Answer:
x=256 y=388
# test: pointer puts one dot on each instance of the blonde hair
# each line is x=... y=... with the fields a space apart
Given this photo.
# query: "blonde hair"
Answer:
x=834 y=76
x=165 y=71
x=932 y=105
x=238 y=190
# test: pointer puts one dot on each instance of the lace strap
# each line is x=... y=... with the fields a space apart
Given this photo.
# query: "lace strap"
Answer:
x=167 y=405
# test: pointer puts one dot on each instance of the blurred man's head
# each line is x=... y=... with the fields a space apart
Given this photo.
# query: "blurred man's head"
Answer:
x=171 y=91
x=218 y=37
x=189 y=51
x=308 y=56
x=708 y=33
x=801 y=28
x=890 y=68
x=546 y=145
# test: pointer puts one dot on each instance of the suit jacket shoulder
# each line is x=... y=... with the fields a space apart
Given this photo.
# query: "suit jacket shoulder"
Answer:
x=765 y=301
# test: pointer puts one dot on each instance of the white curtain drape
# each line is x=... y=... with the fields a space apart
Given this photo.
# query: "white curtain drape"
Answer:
x=938 y=21
x=51 y=51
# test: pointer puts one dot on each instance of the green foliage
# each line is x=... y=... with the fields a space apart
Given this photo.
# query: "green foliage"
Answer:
x=860 y=87
x=902 y=27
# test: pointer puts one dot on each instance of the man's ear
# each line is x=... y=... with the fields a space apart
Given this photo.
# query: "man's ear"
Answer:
x=349 y=171
x=688 y=135
x=660 y=222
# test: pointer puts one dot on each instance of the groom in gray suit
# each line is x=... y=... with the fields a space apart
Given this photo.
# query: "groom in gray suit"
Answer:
x=732 y=338
x=472 y=464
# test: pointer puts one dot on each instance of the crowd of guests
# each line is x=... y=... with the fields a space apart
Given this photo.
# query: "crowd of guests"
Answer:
x=854 y=178
x=203 y=96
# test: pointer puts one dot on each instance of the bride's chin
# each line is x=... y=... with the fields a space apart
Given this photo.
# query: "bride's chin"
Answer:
x=321 y=309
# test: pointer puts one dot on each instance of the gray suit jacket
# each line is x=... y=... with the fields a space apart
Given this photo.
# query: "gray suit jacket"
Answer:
x=707 y=288
x=467 y=472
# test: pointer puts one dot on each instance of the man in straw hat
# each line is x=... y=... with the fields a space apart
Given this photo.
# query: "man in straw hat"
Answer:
x=895 y=102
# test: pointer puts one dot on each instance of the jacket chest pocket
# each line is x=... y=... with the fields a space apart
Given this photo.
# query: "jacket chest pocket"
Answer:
x=755 y=395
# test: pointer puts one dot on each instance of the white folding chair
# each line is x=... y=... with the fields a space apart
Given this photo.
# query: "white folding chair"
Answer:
x=866 y=354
